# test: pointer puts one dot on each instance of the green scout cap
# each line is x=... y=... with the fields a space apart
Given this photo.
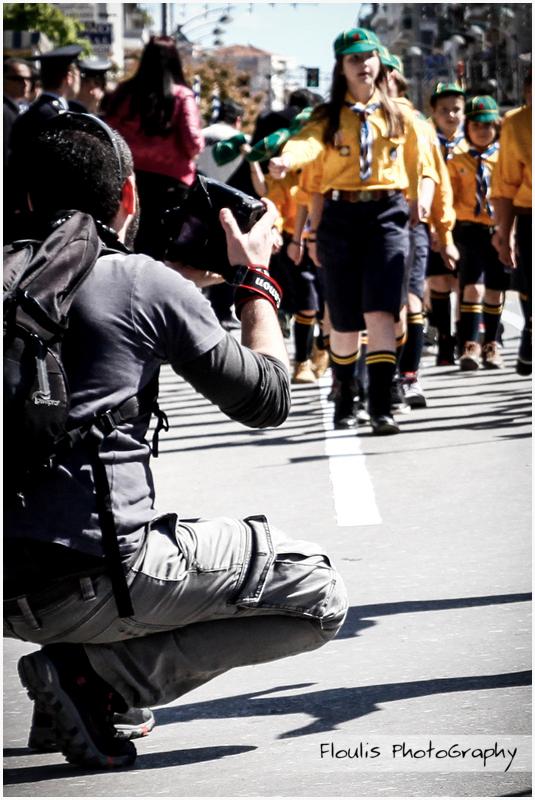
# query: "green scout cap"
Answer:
x=300 y=119
x=357 y=40
x=269 y=146
x=482 y=108
x=441 y=89
x=389 y=60
x=226 y=151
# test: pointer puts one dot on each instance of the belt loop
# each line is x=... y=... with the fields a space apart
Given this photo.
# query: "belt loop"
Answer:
x=87 y=589
x=27 y=613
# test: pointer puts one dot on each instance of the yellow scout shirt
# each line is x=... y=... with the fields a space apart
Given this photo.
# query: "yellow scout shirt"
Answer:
x=442 y=211
x=462 y=168
x=512 y=175
x=340 y=163
x=283 y=194
x=417 y=151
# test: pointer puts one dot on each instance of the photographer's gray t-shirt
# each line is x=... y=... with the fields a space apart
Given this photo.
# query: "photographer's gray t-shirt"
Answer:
x=131 y=315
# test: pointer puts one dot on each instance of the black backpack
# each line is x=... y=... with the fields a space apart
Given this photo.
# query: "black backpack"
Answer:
x=41 y=278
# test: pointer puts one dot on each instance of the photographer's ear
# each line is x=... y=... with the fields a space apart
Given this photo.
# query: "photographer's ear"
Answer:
x=129 y=195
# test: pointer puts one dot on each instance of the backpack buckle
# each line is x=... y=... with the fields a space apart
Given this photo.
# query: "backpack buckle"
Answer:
x=106 y=422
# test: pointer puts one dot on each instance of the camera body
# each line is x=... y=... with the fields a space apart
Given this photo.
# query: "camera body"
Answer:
x=194 y=232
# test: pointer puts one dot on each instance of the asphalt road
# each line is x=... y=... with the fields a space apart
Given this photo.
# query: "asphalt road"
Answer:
x=431 y=532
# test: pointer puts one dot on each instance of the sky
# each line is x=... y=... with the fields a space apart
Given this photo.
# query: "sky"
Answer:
x=303 y=30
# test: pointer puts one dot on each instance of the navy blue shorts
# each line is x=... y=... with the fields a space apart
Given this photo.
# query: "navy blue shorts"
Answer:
x=416 y=264
x=479 y=262
x=299 y=282
x=436 y=266
x=362 y=248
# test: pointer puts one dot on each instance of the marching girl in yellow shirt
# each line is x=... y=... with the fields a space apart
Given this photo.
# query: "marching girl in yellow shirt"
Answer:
x=511 y=195
x=483 y=278
x=360 y=135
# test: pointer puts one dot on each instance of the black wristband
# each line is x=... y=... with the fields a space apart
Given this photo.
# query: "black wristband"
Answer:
x=252 y=283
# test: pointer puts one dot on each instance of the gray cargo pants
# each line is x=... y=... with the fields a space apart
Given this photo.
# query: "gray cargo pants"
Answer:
x=208 y=595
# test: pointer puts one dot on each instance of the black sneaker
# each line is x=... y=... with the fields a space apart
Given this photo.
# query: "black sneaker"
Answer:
x=81 y=706
x=384 y=425
x=398 y=404
x=345 y=408
x=523 y=363
x=446 y=351
x=133 y=724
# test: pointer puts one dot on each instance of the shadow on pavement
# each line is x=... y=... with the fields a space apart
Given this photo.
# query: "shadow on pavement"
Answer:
x=358 y=617
x=169 y=758
x=333 y=707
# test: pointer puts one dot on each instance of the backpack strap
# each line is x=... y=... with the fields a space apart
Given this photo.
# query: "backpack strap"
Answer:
x=110 y=544
x=106 y=422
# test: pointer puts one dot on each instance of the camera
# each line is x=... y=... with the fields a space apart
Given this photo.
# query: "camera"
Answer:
x=193 y=230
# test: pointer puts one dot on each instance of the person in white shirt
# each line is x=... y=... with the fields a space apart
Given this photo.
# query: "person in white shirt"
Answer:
x=228 y=125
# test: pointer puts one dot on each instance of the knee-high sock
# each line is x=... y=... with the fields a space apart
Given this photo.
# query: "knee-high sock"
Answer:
x=491 y=319
x=412 y=352
x=381 y=369
x=303 y=336
x=469 y=322
x=441 y=312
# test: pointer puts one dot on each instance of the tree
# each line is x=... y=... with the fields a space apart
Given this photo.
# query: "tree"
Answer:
x=47 y=19
x=233 y=85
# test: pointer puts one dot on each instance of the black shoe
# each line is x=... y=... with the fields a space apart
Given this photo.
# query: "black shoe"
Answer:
x=345 y=407
x=133 y=724
x=523 y=364
x=384 y=425
x=398 y=404
x=446 y=351
x=81 y=705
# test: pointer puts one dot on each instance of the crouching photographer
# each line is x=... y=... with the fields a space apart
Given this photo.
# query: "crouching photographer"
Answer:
x=133 y=608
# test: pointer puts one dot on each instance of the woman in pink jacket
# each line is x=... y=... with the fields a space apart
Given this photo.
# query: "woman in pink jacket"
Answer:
x=155 y=111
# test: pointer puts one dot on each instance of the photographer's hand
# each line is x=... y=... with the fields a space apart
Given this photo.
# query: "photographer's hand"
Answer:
x=260 y=329
x=253 y=248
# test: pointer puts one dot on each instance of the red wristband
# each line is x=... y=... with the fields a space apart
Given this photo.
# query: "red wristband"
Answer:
x=253 y=283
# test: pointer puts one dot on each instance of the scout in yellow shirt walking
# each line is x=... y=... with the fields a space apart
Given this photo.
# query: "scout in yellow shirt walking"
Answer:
x=511 y=195
x=360 y=136
x=483 y=278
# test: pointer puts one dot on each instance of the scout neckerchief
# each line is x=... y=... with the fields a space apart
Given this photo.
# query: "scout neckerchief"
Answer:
x=449 y=144
x=366 y=136
x=482 y=179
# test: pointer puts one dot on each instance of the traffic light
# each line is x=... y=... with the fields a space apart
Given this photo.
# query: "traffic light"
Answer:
x=313 y=77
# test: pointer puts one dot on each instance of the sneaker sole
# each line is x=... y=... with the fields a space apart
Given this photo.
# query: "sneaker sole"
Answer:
x=39 y=676
x=385 y=430
x=468 y=364
x=135 y=731
x=42 y=741
x=416 y=402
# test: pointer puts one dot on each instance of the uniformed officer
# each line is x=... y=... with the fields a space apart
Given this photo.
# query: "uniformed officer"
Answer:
x=60 y=79
x=93 y=74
